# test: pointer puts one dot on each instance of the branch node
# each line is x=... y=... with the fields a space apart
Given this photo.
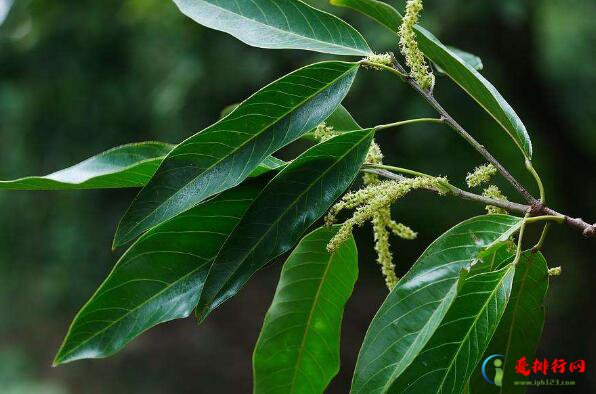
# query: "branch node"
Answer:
x=536 y=208
x=590 y=231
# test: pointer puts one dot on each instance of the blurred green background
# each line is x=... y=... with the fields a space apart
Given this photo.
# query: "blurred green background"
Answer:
x=78 y=77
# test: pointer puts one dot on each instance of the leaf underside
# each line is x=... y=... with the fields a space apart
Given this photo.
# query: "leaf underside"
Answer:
x=277 y=24
x=130 y=165
x=298 y=347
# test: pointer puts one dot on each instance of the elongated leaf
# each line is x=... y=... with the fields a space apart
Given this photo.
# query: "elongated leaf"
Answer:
x=224 y=154
x=158 y=279
x=299 y=195
x=379 y=11
x=470 y=59
x=277 y=24
x=450 y=356
x=477 y=87
x=416 y=306
x=298 y=348
x=129 y=165
x=520 y=329
x=456 y=67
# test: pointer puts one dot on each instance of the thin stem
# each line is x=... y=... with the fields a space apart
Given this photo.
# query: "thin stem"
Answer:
x=540 y=242
x=383 y=67
x=538 y=180
x=398 y=169
x=409 y=121
x=465 y=135
x=521 y=238
x=553 y=218
x=457 y=192
x=588 y=230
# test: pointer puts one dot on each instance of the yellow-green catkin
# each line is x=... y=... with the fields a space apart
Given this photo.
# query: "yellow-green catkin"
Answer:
x=494 y=192
x=324 y=132
x=378 y=60
x=556 y=271
x=480 y=175
x=371 y=199
x=419 y=69
x=380 y=222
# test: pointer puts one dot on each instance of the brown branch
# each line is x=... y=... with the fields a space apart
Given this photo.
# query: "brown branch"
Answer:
x=428 y=96
x=588 y=230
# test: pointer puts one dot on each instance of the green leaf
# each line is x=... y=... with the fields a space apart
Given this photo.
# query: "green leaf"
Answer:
x=521 y=326
x=452 y=63
x=417 y=305
x=277 y=24
x=158 y=279
x=342 y=120
x=379 y=11
x=299 y=195
x=470 y=59
x=481 y=90
x=447 y=361
x=129 y=165
x=224 y=154
x=298 y=348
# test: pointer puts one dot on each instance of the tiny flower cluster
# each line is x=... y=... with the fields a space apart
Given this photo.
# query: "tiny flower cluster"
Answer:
x=419 y=70
x=480 y=175
x=369 y=204
x=376 y=60
x=324 y=132
x=555 y=271
x=495 y=193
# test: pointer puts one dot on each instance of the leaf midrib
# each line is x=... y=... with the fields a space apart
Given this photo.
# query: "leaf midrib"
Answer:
x=513 y=318
x=308 y=322
x=335 y=45
x=285 y=211
x=468 y=333
x=131 y=311
x=250 y=140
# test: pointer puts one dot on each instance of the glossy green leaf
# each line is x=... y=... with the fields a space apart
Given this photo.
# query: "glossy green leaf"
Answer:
x=129 y=165
x=277 y=24
x=456 y=67
x=379 y=11
x=470 y=59
x=521 y=326
x=299 y=195
x=158 y=279
x=224 y=154
x=447 y=361
x=298 y=348
x=417 y=305
x=477 y=87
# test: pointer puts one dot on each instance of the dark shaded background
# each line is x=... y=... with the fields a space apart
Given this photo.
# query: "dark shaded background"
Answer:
x=78 y=77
